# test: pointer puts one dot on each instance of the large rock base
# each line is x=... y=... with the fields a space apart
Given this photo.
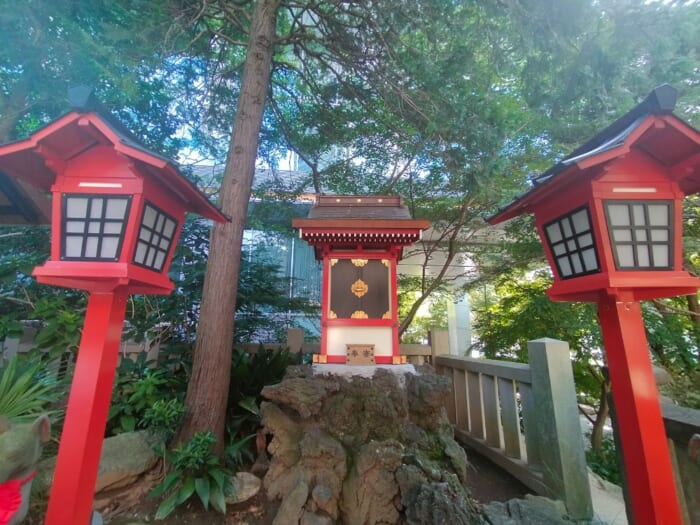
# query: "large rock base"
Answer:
x=362 y=450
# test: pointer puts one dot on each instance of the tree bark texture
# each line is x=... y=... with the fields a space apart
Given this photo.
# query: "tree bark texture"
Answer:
x=601 y=415
x=207 y=392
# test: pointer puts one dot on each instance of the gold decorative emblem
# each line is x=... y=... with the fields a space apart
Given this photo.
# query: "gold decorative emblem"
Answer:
x=359 y=288
x=359 y=262
x=334 y=262
x=387 y=315
x=358 y=314
x=386 y=262
x=332 y=315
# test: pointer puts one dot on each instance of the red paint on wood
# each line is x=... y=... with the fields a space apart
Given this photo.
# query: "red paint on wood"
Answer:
x=86 y=416
x=647 y=461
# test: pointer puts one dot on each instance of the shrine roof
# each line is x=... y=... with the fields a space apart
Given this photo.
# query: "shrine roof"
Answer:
x=360 y=212
x=359 y=207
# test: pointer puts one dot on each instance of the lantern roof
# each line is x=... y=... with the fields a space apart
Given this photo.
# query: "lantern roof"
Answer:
x=29 y=166
x=352 y=221
x=649 y=127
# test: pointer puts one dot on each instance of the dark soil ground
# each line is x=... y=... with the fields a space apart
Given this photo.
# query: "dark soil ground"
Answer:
x=486 y=481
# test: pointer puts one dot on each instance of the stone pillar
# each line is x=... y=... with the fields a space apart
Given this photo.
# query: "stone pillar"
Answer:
x=459 y=326
x=295 y=339
x=556 y=417
x=439 y=342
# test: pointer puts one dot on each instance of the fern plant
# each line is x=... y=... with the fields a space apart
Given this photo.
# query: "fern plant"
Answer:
x=194 y=469
x=26 y=391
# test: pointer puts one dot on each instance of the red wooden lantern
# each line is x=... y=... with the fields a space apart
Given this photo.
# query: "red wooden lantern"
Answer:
x=117 y=210
x=610 y=219
x=360 y=240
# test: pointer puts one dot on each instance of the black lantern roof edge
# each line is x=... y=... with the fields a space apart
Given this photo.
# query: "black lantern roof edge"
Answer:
x=660 y=101
x=82 y=99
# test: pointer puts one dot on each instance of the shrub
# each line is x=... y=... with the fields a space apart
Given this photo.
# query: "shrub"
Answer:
x=194 y=468
x=26 y=391
x=250 y=373
x=603 y=461
x=164 y=417
x=137 y=389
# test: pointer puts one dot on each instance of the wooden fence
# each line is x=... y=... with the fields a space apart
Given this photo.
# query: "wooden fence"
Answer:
x=524 y=418
x=683 y=433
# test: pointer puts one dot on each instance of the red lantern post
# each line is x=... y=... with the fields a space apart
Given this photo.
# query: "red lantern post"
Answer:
x=609 y=216
x=116 y=214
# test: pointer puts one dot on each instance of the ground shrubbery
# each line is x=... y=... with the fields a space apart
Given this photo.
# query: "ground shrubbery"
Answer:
x=603 y=461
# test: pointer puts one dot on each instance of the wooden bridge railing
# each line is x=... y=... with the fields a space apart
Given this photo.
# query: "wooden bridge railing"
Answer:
x=524 y=418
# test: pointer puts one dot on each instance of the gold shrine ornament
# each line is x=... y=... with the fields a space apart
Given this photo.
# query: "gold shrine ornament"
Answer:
x=359 y=314
x=359 y=262
x=359 y=288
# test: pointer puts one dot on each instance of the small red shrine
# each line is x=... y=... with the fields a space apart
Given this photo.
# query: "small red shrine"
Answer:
x=360 y=240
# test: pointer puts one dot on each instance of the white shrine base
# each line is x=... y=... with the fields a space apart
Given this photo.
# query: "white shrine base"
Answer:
x=339 y=336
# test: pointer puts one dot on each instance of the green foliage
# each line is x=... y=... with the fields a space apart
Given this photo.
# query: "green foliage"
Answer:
x=193 y=468
x=522 y=312
x=672 y=334
x=263 y=303
x=27 y=390
x=164 y=417
x=250 y=372
x=517 y=310
x=110 y=46
x=62 y=325
x=603 y=461
x=144 y=395
x=683 y=389
x=263 y=307
x=433 y=315
x=238 y=452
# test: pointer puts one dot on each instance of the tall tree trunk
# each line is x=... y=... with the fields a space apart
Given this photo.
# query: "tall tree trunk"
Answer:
x=207 y=392
x=601 y=415
x=693 y=308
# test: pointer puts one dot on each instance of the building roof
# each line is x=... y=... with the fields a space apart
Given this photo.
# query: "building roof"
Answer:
x=28 y=162
x=650 y=127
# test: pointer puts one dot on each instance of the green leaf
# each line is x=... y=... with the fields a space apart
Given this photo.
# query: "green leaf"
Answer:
x=167 y=506
x=165 y=485
x=250 y=404
x=218 y=501
x=202 y=487
x=185 y=491
x=219 y=476
x=128 y=423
